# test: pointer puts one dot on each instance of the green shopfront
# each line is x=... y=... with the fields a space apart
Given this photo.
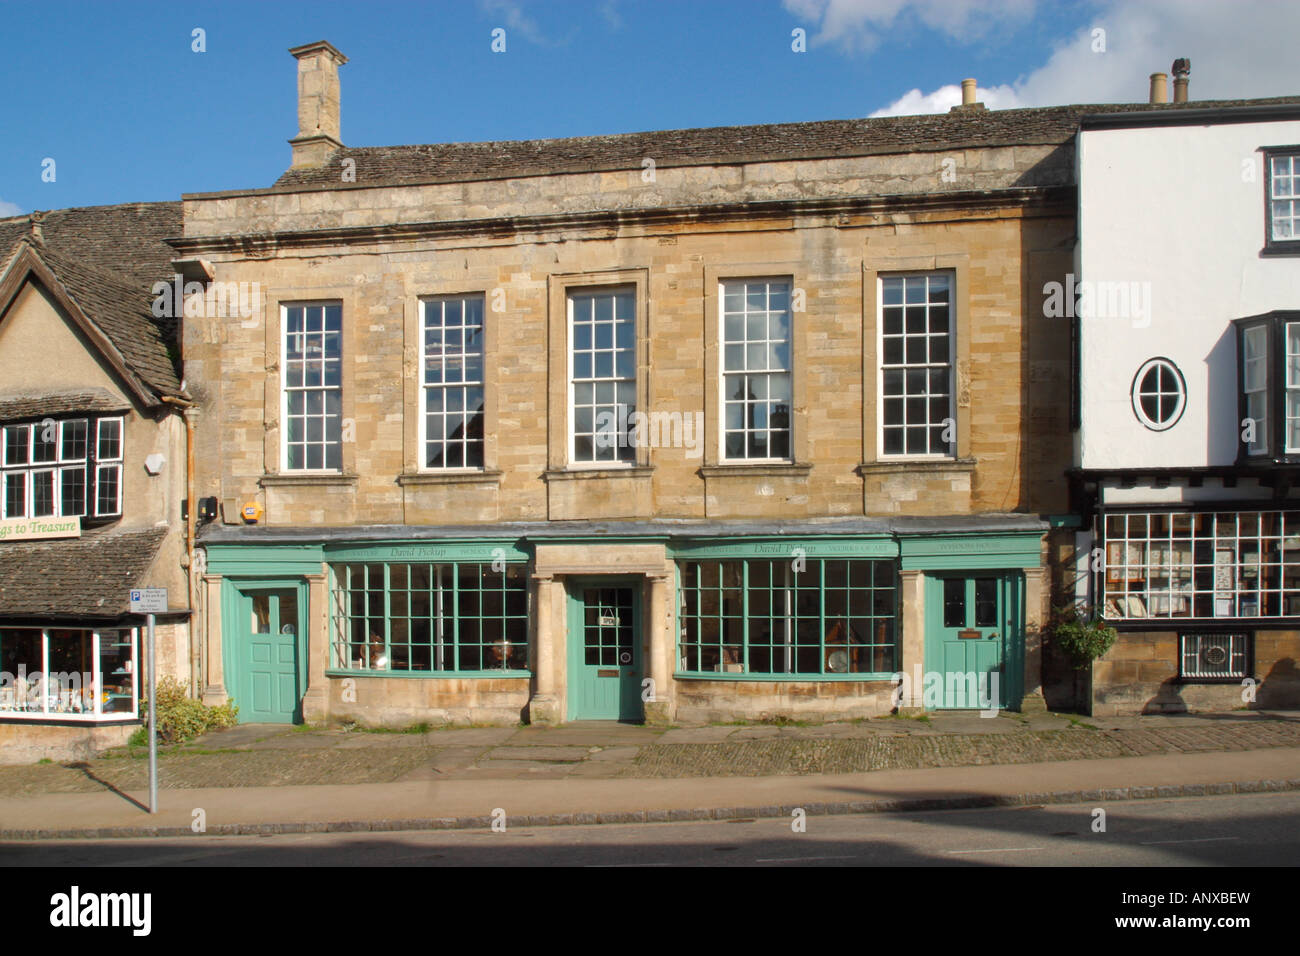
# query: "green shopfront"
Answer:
x=655 y=621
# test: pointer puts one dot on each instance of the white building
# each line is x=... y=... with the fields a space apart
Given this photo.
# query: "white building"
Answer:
x=1186 y=316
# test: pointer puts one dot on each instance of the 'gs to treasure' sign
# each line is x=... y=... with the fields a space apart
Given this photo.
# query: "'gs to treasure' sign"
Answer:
x=26 y=529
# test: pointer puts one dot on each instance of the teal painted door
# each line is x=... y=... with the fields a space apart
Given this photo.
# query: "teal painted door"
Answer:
x=604 y=678
x=269 y=684
x=973 y=641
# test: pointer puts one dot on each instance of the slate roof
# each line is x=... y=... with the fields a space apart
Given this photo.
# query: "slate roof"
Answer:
x=107 y=259
x=963 y=129
x=16 y=406
x=86 y=577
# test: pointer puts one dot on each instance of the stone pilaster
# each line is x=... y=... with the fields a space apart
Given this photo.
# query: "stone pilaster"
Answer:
x=544 y=705
x=315 y=702
x=659 y=708
x=214 y=690
x=913 y=664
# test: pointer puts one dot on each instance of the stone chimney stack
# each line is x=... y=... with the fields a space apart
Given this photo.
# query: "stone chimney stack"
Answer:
x=318 y=103
x=968 y=92
x=1159 y=88
x=1182 y=67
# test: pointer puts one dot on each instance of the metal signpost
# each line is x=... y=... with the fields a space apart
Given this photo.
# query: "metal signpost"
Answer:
x=151 y=601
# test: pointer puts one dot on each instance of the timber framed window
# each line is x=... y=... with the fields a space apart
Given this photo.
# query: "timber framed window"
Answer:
x=69 y=467
x=460 y=617
x=1214 y=657
x=1268 y=357
x=452 y=383
x=68 y=673
x=312 y=396
x=764 y=617
x=917 y=419
x=1225 y=564
x=757 y=369
x=1282 y=201
x=602 y=376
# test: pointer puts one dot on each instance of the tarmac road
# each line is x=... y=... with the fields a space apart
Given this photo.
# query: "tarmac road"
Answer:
x=1239 y=830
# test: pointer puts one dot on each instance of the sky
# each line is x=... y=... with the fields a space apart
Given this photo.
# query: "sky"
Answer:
x=114 y=101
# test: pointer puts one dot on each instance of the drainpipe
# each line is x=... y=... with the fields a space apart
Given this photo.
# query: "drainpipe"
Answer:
x=196 y=656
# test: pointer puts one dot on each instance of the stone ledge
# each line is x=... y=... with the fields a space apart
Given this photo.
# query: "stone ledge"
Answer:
x=793 y=469
x=578 y=474
x=310 y=480
x=920 y=465
x=427 y=478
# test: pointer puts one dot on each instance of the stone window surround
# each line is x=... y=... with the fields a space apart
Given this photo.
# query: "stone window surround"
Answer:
x=273 y=314
x=413 y=471
x=559 y=286
x=959 y=265
x=714 y=465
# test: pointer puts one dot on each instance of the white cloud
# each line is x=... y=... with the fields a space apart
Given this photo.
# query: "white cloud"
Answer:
x=9 y=209
x=860 y=24
x=515 y=20
x=1238 y=50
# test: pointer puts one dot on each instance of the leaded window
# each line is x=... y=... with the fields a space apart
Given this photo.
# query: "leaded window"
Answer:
x=803 y=616
x=429 y=618
x=756 y=369
x=313 y=387
x=1225 y=564
x=453 y=381
x=916 y=366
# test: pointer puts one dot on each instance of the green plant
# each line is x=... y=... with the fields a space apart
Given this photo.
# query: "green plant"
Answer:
x=181 y=718
x=1081 y=635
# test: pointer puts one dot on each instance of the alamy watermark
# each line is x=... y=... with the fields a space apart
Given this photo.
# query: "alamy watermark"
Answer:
x=212 y=300
x=625 y=429
x=1100 y=299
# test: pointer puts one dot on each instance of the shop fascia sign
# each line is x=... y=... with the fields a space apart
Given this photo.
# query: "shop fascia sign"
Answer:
x=28 y=529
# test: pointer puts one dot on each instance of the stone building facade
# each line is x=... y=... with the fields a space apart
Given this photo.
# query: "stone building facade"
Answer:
x=92 y=475
x=439 y=502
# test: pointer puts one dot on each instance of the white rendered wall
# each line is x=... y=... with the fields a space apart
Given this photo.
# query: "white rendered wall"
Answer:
x=1180 y=208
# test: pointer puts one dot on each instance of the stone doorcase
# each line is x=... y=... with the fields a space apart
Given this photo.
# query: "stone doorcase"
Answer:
x=553 y=565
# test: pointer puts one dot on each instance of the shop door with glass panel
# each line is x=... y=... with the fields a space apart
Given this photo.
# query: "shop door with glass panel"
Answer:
x=604 y=678
x=268 y=685
x=972 y=641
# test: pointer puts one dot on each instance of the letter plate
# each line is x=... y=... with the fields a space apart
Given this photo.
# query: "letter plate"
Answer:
x=969 y=634
x=606 y=673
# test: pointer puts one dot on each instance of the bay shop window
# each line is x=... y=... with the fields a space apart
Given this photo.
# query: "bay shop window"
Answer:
x=449 y=618
x=68 y=673
x=1226 y=564
x=809 y=617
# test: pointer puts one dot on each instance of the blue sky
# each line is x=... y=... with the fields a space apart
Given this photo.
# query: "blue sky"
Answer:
x=116 y=96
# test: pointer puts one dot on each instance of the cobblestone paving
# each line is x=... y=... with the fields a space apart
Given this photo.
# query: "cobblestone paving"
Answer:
x=795 y=756
x=256 y=757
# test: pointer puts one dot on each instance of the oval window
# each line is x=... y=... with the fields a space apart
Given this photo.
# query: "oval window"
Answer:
x=1159 y=394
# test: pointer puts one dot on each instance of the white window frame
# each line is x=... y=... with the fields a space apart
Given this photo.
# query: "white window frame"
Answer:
x=788 y=372
x=1180 y=394
x=113 y=464
x=55 y=468
x=96 y=715
x=286 y=388
x=1292 y=175
x=1261 y=445
x=881 y=365
x=624 y=459
x=426 y=388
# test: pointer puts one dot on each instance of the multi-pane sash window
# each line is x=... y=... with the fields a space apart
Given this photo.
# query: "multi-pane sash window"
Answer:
x=1254 y=384
x=313 y=387
x=48 y=467
x=453 y=382
x=916 y=369
x=429 y=618
x=1284 y=197
x=764 y=617
x=602 y=336
x=1227 y=564
x=756 y=369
